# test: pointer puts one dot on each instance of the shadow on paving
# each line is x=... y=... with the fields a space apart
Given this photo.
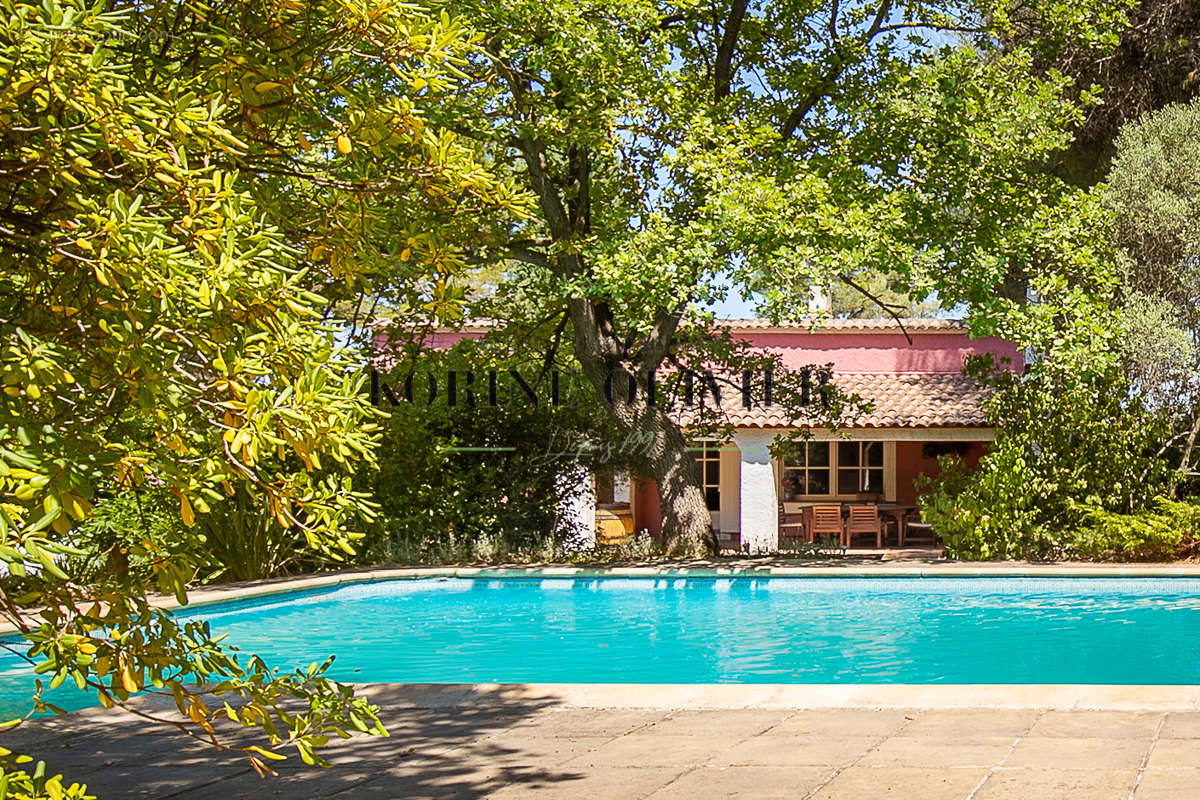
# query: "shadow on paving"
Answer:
x=442 y=743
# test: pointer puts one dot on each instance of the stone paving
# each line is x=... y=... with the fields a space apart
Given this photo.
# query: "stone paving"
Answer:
x=526 y=743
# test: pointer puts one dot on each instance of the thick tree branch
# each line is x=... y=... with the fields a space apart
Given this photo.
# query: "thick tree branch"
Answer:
x=797 y=115
x=553 y=211
x=723 y=67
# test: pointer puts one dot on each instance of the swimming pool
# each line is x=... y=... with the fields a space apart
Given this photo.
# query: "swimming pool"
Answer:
x=722 y=630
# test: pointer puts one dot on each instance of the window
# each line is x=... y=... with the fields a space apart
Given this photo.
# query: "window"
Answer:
x=806 y=469
x=860 y=467
x=708 y=471
x=832 y=469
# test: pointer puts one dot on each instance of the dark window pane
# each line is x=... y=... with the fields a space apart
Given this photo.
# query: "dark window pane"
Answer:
x=712 y=472
x=818 y=481
x=874 y=454
x=874 y=480
x=818 y=454
x=848 y=453
x=848 y=481
x=794 y=456
x=712 y=496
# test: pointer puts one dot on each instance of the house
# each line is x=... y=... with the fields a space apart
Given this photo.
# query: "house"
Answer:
x=923 y=407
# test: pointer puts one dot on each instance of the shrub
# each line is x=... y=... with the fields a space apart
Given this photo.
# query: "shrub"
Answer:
x=478 y=483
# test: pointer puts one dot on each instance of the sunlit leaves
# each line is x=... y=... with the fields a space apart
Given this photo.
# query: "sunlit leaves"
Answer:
x=179 y=180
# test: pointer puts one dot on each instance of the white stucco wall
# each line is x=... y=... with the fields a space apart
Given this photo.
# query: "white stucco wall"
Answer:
x=759 y=511
x=577 y=508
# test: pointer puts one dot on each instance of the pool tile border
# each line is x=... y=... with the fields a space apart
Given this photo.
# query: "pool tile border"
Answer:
x=896 y=569
x=679 y=569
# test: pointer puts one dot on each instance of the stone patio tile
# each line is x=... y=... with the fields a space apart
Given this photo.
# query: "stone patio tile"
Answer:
x=1168 y=784
x=1050 y=752
x=845 y=722
x=650 y=751
x=624 y=782
x=576 y=722
x=901 y=783
x=1098 y=724
x=933 y=751
x=768 y=750
x=745 y=783
x=1175 y=753
x=972 y=722
x=450 y=780
x=1181 y=725
x=515 y=749
x=1052 y=784
x=728 y=725
x=162 y=780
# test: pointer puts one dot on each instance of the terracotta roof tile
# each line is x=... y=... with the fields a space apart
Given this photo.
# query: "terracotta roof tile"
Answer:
x=803 y=325
x=827 y=325
x=900 y=401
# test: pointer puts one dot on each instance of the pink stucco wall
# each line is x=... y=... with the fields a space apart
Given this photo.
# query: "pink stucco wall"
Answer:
x=877 y=353
x=848 y=351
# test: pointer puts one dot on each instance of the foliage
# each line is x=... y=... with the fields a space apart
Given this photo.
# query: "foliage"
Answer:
x=1153 y=195
x=1153 y=65
x=243 y=544
x=18 y=782
x=128 y=532
x=1069 y=450
x=675 y=148
x=469 y=483
x=158 y=332
x=987 y=516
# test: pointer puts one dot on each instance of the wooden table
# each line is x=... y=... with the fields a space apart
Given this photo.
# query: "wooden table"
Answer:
x=898 y=513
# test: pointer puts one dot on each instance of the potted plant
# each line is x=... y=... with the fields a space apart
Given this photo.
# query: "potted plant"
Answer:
x=789 y=487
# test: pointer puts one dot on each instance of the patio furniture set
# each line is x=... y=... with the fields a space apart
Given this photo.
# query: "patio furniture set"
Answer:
x=843 y=523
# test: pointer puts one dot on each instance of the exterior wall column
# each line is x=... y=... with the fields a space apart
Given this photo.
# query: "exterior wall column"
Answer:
x=577 y=508
x=759 y=500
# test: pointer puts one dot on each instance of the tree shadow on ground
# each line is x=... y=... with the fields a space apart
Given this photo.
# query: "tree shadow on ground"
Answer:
x=445 y=741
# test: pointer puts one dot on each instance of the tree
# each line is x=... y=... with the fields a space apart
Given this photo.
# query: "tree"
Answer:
x=156 y=330
x=1153 y=195
x=672 y=147
x=1156 y=63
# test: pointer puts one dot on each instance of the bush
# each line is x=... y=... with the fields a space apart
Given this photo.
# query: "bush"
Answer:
x=128 y=532
x=991 y=514
x=1153 y=534
x=478 y=483
x=1071 y=474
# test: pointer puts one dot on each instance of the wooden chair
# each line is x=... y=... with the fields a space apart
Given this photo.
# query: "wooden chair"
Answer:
x=917 y=530
x=864 y=519
x=827 y=523
x=792 y=528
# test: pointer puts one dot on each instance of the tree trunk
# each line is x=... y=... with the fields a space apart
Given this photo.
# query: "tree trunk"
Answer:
x=647 y=431
x=1185 y=461
x=605 y=356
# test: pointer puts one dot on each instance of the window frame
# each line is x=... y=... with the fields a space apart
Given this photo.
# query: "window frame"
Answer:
x=835 y=469
x=862 y=468
x=705 y=452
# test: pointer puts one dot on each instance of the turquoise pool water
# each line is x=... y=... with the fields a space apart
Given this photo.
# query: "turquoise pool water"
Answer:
x=723 y=630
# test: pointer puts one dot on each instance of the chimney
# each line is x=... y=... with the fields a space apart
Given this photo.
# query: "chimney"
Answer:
x=820 y=302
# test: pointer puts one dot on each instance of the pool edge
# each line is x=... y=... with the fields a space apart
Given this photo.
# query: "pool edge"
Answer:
x=251 y=590
x=798 y=696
